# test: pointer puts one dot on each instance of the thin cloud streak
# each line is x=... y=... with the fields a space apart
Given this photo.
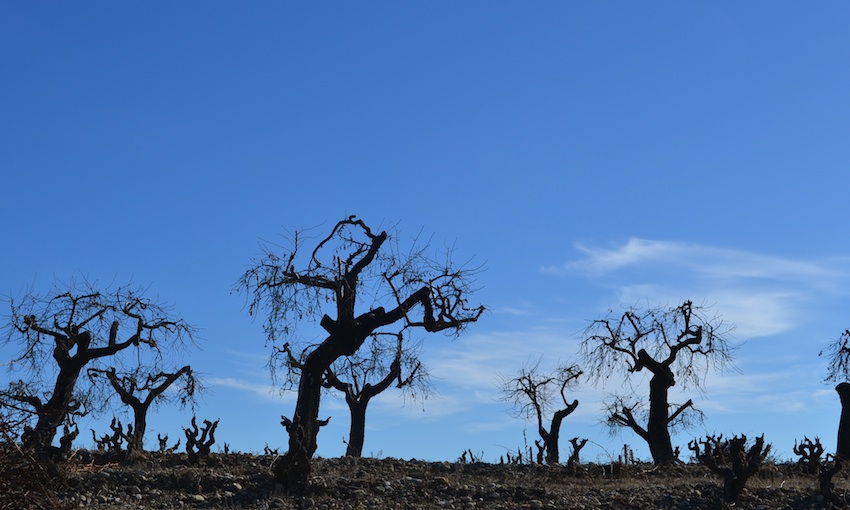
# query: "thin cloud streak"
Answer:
x=761 y=295
x=753 y=313
x=476 y=360
x=706 y=260
x=466 y=374
x=264 y=391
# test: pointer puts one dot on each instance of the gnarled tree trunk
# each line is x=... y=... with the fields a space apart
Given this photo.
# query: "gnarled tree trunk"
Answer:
x=53 y=412
x=551 y=439
x=293 y=469
x=135 y=443
x=75 y=328
x=657 y=431
x=842 y=450
x=289 y=294
x=357 y=431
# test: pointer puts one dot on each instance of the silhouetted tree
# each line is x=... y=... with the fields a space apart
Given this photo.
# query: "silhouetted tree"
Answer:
x=369 y=376
x=535 y=395
x=676 y=343
x=364 y=381
x=342 y=284
x=810 y=454
x=153 y=387
x=114 y=442
x=199 y=441
x=731 y=460
x=577 y=445
x=838 y=354
x=62 y=332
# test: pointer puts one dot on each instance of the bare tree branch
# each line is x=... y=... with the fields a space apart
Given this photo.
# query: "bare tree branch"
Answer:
x=675 y=345
x=838 y=354
x=534 y=395
x=353 y=284
x=69 y=329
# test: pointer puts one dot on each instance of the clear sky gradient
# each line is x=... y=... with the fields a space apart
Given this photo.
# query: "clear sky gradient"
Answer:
x=589 y=154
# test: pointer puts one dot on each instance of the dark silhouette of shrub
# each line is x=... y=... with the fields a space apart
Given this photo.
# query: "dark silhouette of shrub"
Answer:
x=810 y=454
x=730 y=460
x=200 y=441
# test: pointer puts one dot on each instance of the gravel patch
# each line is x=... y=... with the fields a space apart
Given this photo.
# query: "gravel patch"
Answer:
x=237 y=481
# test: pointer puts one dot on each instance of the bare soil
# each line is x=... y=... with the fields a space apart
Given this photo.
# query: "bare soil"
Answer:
x=235 y=481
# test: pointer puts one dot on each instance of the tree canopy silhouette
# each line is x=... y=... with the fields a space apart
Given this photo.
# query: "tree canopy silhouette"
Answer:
x=671 y=344
x=538 y=395
x=354 y=283
x=140 y=390
x=79 y=326
x=838 y=354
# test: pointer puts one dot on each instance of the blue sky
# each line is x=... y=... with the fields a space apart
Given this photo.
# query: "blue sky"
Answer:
x=590 y=155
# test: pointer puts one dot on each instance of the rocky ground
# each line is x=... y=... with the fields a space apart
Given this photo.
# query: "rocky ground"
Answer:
x=236 y=481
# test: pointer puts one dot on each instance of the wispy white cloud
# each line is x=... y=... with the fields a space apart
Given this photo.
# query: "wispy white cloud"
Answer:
x=391 y=407
x=522 y=308
x=264 y=391
x=465 y=373
x=475 y=361
x=512 y=311
x=253 y=357
x=706 y=260
x=753 y=312
x=760 y=294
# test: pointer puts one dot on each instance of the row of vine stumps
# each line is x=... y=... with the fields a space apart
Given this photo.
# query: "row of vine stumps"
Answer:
x=733 y=460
